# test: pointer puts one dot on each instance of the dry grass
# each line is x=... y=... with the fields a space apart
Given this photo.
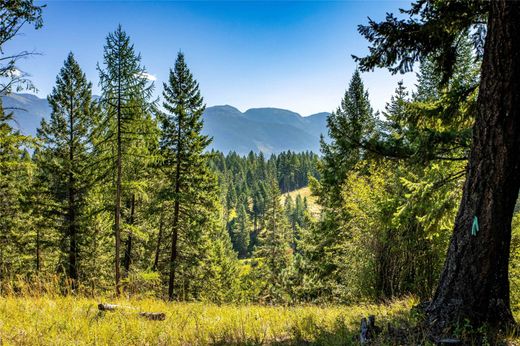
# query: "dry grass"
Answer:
x=77 y=321
x=314 y=207
x=69 y=320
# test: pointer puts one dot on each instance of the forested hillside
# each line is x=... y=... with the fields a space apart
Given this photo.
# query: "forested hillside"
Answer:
x=123 y=197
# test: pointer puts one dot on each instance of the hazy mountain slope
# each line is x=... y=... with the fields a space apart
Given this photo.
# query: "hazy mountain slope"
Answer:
x=28 y=111
x=270 y=130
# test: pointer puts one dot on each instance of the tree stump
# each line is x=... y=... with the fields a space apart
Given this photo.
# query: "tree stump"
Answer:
x=368 y=329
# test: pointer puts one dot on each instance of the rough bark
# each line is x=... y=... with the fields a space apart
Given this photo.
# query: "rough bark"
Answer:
x=159 y=241
x=474 y=284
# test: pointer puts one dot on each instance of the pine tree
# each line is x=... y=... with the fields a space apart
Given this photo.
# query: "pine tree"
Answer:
x=274 y=247
x=191 y=185
x=65 y=154
x=125 y=98
x=474 y=284
x=15 y=172
x=350 y=127
x=240 y=230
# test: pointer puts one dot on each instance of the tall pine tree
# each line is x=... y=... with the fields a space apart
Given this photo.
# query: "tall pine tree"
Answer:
x=191 y=185
x=65 y=154
x=125 y=98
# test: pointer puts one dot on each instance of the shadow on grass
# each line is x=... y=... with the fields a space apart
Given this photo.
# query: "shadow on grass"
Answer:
x=403 y=328
x=308 y=332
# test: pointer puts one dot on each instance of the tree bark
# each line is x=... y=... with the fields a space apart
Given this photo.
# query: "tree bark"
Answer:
x=128 y=249
x=117 y=202
x=176 y=209
x=159 y=240
x=73 y=241
x=474 y=284
x=38 y=246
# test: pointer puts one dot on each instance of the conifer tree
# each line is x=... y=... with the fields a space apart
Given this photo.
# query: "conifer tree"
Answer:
x=125 y=99
x=15 y=165
x=14 y=181
x=274 y=246
x=65 y=154
x=191 y=185
x=474 y=285
x=240 y=229
x=350 y=127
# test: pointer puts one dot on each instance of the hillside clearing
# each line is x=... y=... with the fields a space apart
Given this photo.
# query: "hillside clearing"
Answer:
x=312 y=201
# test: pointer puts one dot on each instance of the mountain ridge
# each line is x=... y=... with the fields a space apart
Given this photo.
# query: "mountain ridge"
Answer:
x=269 y=130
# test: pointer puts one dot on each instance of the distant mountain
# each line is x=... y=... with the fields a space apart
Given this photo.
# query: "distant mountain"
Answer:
x=269 y=130
x=28 y=109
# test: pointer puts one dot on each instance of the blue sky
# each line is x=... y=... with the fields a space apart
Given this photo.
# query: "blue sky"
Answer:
x=292 y=55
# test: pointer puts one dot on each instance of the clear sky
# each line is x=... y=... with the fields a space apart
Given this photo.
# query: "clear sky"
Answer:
x=292 y=55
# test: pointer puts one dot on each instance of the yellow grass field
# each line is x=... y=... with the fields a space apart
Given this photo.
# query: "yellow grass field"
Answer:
x=77 y=321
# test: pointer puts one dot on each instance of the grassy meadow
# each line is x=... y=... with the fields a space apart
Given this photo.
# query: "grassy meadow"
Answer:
x=69 y=320
x=77 y=321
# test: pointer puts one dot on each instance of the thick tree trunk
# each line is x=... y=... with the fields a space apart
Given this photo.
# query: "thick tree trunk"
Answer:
x=128 y=248
x=474 y=284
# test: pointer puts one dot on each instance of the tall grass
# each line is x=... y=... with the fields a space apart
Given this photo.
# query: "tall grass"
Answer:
x=69 y=320
x=36 y=312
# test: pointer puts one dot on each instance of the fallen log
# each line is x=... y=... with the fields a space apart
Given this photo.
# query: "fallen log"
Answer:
x=107 y=307
x=154 y=316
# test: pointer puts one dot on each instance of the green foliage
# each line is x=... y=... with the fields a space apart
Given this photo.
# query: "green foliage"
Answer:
x=274 y=249
x=65 y=160
x=16 y=178
x=201 y=260
x=14 y=14
x=429 y=30
x=126 y=139
x=391 y=202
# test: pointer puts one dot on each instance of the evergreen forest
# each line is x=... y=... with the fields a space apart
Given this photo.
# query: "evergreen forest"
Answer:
x=118 y=197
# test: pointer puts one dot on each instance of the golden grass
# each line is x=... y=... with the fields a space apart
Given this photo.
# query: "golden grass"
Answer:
x=77 y=321
x=312 y=201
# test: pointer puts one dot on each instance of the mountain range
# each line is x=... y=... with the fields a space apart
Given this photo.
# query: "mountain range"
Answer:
x=267 y=130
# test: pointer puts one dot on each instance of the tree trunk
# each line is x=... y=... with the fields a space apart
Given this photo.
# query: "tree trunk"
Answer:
x=128 y=249
x=474 y=284
x=117 y=209
x=159 y=240
x=176 y=209
x=38 y=246
x=73 y=241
